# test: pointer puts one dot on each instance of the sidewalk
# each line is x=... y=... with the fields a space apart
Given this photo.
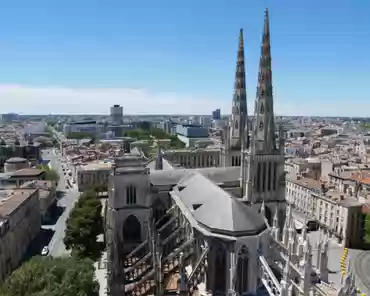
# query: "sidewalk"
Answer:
x=101 y=274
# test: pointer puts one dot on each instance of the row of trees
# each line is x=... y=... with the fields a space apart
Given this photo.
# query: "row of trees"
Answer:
x=84 y=225
x=161 y=134
x=155 y=133
x=139 y=134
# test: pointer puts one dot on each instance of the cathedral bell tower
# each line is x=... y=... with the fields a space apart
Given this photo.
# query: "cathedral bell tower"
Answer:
x=264 y=179
x=231 y=153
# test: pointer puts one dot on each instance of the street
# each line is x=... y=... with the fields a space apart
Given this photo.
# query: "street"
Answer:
x=68 y=197
x=360 y=265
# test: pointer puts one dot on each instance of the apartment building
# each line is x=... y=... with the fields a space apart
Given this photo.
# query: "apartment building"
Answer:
x=47 y=194
x=338 y=213
x=93 y=174
x=19 y=225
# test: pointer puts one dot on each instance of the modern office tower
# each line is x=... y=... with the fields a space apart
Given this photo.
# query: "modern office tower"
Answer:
x=216 y=114
x=116 y=114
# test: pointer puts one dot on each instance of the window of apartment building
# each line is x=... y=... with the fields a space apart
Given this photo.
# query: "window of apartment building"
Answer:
x=130 y=195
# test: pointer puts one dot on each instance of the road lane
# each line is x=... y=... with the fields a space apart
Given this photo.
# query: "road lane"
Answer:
x=67 y=201
x=361 y=268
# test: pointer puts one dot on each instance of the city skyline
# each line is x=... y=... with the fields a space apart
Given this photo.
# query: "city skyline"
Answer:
x=180 y=59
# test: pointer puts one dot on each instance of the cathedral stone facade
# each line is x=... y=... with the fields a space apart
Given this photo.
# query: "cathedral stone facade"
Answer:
x=213 y=231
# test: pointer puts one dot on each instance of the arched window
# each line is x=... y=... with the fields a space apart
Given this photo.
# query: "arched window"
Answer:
x=130 y=195
x=242 y=271
x=261 y=125
x=132 y=230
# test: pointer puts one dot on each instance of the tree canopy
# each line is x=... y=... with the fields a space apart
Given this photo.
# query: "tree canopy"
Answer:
x=155 y=133
x=48 y=276
x=160 y=134
x=138 y=134
x=50 y=174
x=83 y=226
x=367 y=229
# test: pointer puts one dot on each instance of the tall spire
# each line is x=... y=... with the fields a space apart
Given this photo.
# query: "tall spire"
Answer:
x=264 y=125
x=239 y=105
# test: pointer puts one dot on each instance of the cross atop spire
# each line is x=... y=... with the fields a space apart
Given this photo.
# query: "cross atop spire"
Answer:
x=239 y=105
x=264 y=125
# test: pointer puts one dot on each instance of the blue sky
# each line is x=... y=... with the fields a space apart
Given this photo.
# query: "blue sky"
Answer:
x=167 y=56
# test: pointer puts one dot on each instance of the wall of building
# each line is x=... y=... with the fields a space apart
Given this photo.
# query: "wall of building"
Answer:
x=341 y=217
x=87 y=178
x=192 y=131
x=198 y=158
x=17 y=231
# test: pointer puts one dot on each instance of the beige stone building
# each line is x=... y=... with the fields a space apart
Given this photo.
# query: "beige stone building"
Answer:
x=194 y=158
x=19 y=225
x=337 y=212
x=24 y=175
x=47 y=194
x=93 y=174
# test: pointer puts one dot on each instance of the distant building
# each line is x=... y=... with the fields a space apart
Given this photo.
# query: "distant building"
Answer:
x=168 y=126
x=190 y=134
x=9 y=117
x=31 y=152
x=91 y=127
x=93 y=174
x=192 y=131
x=216 y=114
x=15 y=163
x=116 y=114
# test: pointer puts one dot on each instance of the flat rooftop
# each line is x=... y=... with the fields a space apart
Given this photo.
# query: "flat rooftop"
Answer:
x=10 y=200
x=94 y=166
x=29 y=172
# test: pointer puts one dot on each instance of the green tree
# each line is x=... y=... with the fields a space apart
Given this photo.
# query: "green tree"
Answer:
x=138 y=134
x=83 y=226
x=176 y=143
x=48 y=276
x=159 y=134
x=367 y=228
x=50 y=174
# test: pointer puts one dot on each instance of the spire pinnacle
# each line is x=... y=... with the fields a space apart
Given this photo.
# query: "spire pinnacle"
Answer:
x=241 y=40
x=159 y=158
x=239 y=104
x=264 y=125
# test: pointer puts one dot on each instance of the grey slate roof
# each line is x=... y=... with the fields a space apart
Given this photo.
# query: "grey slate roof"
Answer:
x=217 y=175
x=166 y=165
x=217 y=210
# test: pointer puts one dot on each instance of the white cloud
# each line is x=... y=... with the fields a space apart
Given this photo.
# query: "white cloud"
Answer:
x=63 y=100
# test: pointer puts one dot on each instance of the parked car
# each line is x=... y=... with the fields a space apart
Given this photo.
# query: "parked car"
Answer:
x=45 y=251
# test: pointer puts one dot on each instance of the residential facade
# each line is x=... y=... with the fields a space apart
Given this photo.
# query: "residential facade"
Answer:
x=19 y=224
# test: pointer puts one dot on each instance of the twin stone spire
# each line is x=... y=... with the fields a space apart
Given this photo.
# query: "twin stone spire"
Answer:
x=260 y=138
